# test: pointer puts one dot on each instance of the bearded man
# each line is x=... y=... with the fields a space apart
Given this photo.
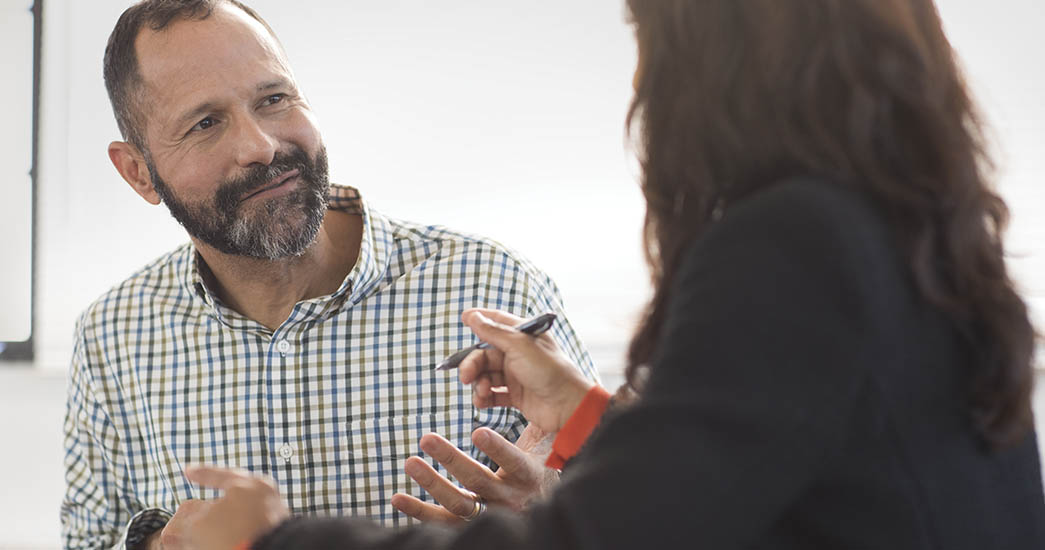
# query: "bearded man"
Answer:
x=295 y=335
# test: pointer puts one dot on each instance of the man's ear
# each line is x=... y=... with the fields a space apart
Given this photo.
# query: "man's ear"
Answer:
x=130 y=163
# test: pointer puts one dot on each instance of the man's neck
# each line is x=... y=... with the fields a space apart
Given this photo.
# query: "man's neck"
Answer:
x=266 y=291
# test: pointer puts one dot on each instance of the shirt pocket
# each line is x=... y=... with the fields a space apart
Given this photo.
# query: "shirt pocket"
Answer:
x=378 y=449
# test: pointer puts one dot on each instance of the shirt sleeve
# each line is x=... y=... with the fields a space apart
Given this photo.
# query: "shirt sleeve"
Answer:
x=142 y=525
x=94 y=516
x=545 y=297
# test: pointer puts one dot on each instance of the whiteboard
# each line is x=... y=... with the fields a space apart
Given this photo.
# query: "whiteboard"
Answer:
x=16 y=137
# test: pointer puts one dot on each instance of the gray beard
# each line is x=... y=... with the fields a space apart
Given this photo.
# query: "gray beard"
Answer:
x=281 y=227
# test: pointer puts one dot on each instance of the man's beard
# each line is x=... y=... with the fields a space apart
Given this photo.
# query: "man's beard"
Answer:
x=280 y=227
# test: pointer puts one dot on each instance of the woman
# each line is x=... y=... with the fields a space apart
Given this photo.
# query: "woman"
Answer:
x=834 y=355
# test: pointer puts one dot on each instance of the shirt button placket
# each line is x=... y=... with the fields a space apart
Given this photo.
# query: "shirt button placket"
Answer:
x=287 y=452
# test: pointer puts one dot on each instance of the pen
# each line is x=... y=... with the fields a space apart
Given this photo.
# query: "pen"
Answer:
x=534 y=327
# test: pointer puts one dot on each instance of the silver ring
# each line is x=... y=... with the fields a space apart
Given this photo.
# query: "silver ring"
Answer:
x=480 y=507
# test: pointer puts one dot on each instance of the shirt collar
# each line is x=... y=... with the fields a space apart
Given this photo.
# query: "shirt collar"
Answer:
x=370 y=268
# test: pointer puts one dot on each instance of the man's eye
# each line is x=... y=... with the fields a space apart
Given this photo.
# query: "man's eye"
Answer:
x=204 y=124
x=274 y=98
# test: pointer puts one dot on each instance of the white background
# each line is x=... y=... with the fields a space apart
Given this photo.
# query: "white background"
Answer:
x=503 y=118
x=497 y=117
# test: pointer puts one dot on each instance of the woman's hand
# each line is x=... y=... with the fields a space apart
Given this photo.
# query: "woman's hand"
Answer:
x=530 y=374
x=520 y=478
x=250 y=507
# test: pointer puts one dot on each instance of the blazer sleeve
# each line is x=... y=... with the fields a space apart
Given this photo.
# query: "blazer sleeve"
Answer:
x=771 y=332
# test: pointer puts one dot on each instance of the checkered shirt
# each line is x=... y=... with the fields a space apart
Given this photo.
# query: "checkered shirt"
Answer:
x=330 y=404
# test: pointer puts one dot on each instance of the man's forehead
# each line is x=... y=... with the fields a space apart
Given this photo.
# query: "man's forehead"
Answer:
x=190 y=56
x=170 y=45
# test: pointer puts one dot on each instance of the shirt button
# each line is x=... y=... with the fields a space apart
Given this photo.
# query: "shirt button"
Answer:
x=286 y=451
x=283 y=346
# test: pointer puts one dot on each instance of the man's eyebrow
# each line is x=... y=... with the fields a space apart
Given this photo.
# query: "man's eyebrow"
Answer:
x=208 y=107
x=278 y=83
x=196 y=112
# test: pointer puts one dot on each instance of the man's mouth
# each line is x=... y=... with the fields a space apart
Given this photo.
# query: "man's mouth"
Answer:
x=275 y=183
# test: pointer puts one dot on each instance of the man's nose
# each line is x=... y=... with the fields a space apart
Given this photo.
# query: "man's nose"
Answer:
x=254 y=144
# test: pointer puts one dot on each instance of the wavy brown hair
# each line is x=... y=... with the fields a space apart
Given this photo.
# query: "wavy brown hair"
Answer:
x=734 y=95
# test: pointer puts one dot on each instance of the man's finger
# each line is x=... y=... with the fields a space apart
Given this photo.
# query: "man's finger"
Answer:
x=423 y=511
x=514 y=461
x=191 y=506
x=215 y=477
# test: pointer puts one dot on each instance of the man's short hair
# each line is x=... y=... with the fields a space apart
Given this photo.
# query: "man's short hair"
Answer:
x=123 y=78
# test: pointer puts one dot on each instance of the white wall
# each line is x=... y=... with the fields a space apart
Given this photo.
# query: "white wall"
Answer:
x=1003 y=51
x=504 y=118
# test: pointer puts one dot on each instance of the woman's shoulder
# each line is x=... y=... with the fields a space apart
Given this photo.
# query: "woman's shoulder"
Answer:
x=811 y=204
x=813 y=221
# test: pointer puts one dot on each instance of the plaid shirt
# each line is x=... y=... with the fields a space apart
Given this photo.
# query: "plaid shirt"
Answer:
x=330 y=404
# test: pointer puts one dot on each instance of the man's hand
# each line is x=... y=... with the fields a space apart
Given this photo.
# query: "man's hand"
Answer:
x=520 y=478
x=174 y=535
x=250 y=507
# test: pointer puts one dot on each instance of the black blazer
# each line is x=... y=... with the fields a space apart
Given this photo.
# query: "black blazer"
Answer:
x=803 y=396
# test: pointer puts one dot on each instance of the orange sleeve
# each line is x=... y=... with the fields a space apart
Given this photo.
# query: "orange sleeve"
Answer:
x=579 y=426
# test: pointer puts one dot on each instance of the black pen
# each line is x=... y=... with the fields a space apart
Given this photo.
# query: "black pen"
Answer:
x=534 y=327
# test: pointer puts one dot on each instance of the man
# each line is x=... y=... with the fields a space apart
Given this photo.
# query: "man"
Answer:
x=295 y=335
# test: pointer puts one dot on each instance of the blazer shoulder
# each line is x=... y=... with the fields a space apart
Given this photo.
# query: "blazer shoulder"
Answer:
x=816 y=203
x=813 y=218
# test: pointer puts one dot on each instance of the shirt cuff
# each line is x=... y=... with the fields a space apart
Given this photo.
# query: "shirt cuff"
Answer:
x=142 y=525
x=578 y=427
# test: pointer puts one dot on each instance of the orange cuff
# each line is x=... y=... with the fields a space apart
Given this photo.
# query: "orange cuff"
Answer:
x=245 y=545
x=578 y=427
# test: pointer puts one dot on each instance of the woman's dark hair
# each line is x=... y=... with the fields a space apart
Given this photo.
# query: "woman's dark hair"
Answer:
x=733 y=95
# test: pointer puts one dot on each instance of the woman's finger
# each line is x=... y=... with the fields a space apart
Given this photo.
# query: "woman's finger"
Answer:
x=497 y=380
x=501 y=400
x=499 y=335
x=496 y=315
x=423 y=511
x=510 y=459
x=481 y=394
x=451 y=497
x=473 y=475
x=475 y=364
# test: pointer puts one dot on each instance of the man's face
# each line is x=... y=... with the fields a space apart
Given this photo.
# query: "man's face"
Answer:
x=232 y=148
